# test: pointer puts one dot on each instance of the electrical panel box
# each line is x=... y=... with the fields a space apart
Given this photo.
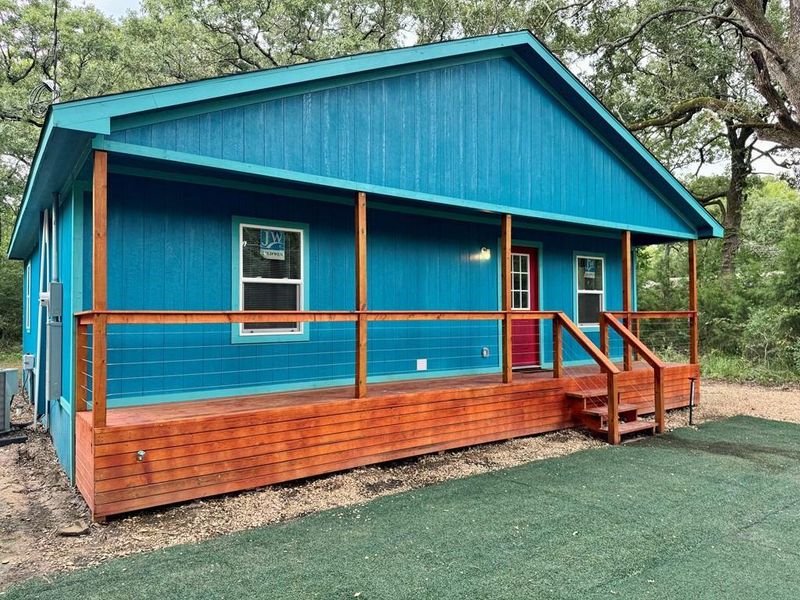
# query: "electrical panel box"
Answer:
x=53 y=378
x=54 y=335
x=55 y=300
x=28 y=362
x=9 y=385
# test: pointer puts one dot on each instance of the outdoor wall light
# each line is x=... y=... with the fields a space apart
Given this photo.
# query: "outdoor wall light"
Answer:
x=486 y=254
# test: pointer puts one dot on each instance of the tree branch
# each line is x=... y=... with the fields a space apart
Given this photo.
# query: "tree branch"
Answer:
x=709 y=198
x=690 y=107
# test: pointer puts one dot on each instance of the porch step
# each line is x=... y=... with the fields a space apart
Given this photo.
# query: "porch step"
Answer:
x=622 y=409
x=634 y=427
x=595 y=418
x=600 y=392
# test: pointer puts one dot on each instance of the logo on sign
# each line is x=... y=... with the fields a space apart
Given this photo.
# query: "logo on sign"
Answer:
x=590 y=269
x=272 y=244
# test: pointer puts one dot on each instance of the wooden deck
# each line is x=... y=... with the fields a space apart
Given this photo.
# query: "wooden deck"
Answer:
x=203 y=448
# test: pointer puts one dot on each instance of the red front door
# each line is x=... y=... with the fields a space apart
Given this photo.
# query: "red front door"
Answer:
x=525 y=342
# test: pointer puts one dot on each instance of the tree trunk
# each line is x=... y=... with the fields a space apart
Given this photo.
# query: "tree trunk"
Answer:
x=735 y=198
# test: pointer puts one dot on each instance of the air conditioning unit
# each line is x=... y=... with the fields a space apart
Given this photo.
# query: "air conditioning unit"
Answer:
x=9 y=385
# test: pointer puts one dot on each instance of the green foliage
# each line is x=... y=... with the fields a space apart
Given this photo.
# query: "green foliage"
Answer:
x=11 y=357
x=750 y=322
x=10 y=271
x=742 y=370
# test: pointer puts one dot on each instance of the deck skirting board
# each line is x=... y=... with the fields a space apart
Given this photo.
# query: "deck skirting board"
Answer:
x=228 y=447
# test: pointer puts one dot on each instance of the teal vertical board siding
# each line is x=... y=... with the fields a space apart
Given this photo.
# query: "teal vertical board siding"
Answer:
x=559 y=283
x=60 y=415
x=29 y=336
x=38 y=343
x=86 y=252
x=61 y=422
x=170 y=248
x=486 y=131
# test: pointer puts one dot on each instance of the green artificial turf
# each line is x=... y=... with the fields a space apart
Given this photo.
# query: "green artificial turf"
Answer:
x=708 y=513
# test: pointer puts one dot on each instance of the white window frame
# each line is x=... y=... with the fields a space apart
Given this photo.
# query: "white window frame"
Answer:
x=529 y=274
x=579 y=291
x=28 y=297
x=299 y=282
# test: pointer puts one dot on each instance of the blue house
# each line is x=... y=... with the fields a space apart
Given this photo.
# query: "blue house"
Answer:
x=266 y=276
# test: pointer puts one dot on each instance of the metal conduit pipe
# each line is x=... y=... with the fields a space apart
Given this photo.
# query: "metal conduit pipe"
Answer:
x=44 y=260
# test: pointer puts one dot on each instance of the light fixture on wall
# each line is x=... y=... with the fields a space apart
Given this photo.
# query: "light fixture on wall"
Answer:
x=482 y=255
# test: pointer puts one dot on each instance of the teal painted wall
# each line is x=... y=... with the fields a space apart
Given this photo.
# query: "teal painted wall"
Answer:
x=486 y=131
x=170 y=247
x=60 y=413
x=29 y=335
x=61 y=421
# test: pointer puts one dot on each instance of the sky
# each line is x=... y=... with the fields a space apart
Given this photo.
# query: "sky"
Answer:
x=114 y=8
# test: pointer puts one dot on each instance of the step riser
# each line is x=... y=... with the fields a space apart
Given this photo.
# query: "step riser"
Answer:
x=629 y=423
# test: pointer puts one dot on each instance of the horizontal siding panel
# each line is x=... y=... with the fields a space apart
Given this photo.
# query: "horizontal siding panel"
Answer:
x=214 y=452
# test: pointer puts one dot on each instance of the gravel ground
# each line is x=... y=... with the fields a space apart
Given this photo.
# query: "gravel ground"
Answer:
x=36 y=500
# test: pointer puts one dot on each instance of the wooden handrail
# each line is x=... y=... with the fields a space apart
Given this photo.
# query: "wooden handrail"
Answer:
x=609 y=320
x=155 y=317
x=634 y=341
x=652 y=314
x=101 y=319
x=606 y=365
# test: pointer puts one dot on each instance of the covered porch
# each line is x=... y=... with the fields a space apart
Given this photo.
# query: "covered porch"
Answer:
x=218 y=439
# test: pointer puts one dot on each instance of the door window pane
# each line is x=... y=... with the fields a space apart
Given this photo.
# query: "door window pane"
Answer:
x=520 y=280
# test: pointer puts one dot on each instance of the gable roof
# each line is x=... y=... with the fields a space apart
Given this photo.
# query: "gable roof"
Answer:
x=71 y=126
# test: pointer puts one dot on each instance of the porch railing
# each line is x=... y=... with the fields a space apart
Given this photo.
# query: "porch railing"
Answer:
x=628 y=325
x=92 y=346
x=673 y=334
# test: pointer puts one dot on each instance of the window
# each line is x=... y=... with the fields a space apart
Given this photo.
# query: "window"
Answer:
x=520 y=282
x=28 y=297
x=590 y=271
x=271 y=275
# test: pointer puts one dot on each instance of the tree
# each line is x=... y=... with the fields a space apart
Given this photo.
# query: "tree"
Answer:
x=242 y=35
x=769 y=36
x=684 y=83
x=86 y=64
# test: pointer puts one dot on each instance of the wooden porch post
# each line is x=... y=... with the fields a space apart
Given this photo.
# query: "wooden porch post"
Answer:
x=361 y=294
x=613 y=409
x=626 y=295
x=661 y=415
x=505 y=243
x=99 y=285
x=558 y=348
x=603 y=335
x=694 y=341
